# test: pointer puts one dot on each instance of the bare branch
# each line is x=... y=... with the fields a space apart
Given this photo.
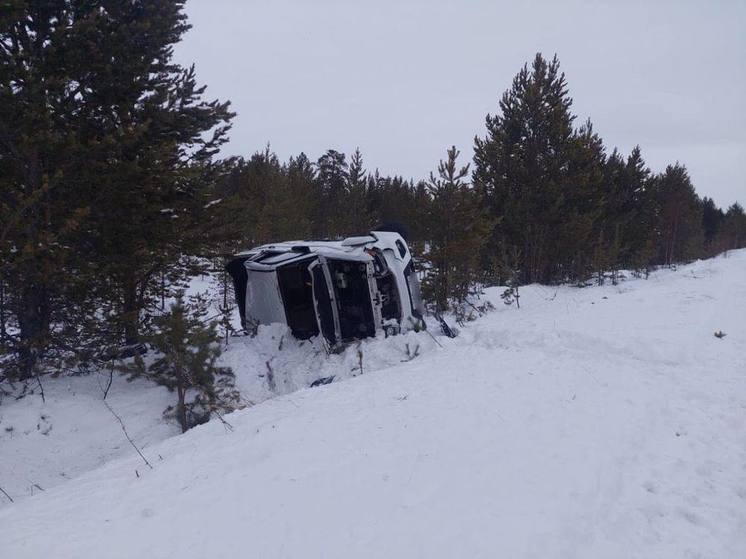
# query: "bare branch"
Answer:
x=41 y=387
x=124 y=430
x=6 y=494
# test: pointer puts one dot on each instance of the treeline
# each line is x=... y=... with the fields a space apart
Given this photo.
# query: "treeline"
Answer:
x=112 y=194
x=544 y=201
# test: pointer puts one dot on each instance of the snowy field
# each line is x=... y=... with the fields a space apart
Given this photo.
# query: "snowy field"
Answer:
x=606 y=422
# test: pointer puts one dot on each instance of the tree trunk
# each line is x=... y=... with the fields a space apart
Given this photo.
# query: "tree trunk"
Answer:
x=130 y=313
x=3 y=319
x=33 y=326
x=33 y=305
x=181 y=408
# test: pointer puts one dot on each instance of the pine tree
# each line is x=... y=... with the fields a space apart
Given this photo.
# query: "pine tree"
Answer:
x=733 y=234
x=186 y=363
x=712 y=221
x=276 y=217
x=106 y=148
x=527 y=167
x=458 y=231
x=582 y=207
x=263 y=200
x=44 y=147
x=510 y=274
x=332 y=176
x=301 y=176
x=629 y=211
x=156 y=172
x=639 y=212
x=679 y=228
x=357 y=212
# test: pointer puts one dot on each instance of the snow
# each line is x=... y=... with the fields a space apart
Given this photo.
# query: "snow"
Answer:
x=45 y=444
x=212 y=203
x=599 y=422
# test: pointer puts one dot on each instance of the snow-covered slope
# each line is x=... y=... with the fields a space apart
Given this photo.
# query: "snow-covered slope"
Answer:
x=601 y=422
x=44 y=444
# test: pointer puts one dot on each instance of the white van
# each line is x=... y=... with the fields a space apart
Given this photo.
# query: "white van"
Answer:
x=345 y=290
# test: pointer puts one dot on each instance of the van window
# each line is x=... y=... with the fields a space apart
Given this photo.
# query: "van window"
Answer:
x=402 y=248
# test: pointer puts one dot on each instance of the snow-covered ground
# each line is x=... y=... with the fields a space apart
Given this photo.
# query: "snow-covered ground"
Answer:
x=606 y=422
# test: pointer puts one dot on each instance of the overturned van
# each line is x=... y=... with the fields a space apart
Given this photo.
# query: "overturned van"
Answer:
x=344 y=290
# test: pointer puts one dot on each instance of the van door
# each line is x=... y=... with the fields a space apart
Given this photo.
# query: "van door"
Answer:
x=324 y=302
x=354 y=291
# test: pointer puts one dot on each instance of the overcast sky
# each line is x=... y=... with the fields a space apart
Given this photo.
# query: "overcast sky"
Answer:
x=404 y=80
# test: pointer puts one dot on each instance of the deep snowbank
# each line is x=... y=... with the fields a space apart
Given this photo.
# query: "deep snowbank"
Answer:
x=44 y=444
x=600 y=422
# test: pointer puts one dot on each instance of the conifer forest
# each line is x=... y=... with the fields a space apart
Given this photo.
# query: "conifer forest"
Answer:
x=113 y=191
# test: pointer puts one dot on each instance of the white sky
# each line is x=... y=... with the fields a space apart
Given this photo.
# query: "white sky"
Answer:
x=406 y=80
